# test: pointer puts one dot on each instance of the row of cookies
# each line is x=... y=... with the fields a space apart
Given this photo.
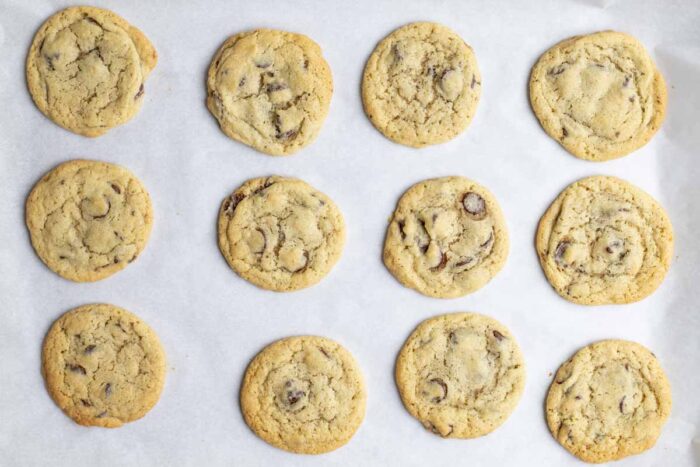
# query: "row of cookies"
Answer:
x=601 y=96
x=601 y=241
x=461 y=375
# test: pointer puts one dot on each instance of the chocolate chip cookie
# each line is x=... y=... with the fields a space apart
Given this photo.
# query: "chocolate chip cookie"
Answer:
x=608 y=401
x=270 y=90
x=304 y=394
x=88 y=219
x=86 y=69
x=421 y=85
x=103 y=366
x=604 y=241
x=461 y=374
x=447 y=237
x=280 y=233
x=600 y=95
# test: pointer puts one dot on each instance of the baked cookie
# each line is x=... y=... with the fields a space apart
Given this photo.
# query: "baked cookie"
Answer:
x=280 y=233
x=421 y=85
x=88 y=219
x=103 y=366
x=608 y=401
x=461 y=374
x=304 y=394
x=270 y=90
x=447 y=237
x=86 y=69
x=599 y=95
x=604 y=241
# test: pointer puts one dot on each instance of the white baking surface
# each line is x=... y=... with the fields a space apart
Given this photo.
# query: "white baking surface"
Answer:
x=212 y=323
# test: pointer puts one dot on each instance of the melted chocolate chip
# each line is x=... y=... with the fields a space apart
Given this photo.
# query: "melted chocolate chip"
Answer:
x=474 y=204
x=86 y=402
x=272 y=87
x=442 y=264
x=498 y=335
x=108 y=389
x=241 y=83
x=443 y=386
x=294 y=396
x=116 y=189
x=464 y=262
x=622 y=404
x=231 y=203
x=564 y=132
x=89 y=349
x=76 y=368
x=140 y=92
x=401 y=225
x=560 y=250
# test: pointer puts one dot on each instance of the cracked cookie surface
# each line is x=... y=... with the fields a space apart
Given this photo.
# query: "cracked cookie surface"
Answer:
x=304 y=394
x=280 y=233
x=421 y=85
x=608 y=401
x=604 y=241
x=103 y=366
x=86 y=69
x=87 y=219
x=460 y=374
x=600 y=95
x=446 y=238
x=270 y=90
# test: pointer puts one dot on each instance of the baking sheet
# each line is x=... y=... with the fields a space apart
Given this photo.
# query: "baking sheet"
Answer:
x=212 y=323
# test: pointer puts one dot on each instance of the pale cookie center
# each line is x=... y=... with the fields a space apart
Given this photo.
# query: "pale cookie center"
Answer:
x=86 y=69
x=596 y=98
x=448 y=239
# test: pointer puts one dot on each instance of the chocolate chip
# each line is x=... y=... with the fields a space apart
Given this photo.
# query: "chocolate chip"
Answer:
x=306 y=64
x=89 y=349
x=442 y=264
x=102 y=414
x=622 y=404
x=264 y=238
x=291 y=134
x=578 y=398
x=560 y=250
x=116 y=189
x=140 y=93
x=263 y=64
x=293 y=395
x=626 y=82
x=401 y=225
x=76 y=368
x=231 y=203
x=564 y=132
x=498 y=335
x=464 y=262
x=323 y=351
x=443 y=386
x=627 y=366
x=108 y=389
x=557 y=71
x=430 y=71
x=397 y=53
x=474 y=204
x=241 y=83
x=488 y=241
x=612 y=246
x=272 y=87
x=631 y=99
x=86 y=402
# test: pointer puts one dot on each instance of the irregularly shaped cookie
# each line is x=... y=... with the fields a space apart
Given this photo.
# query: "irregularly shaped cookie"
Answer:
x=461 y=375
x=103 y=366
x=280 y=233
x=88 y=219
x=608 y=401
x=421 y=85
x=270 y=90
x=599 y=95
x=447 y=237
x=604 y=241
x=86 y=69
x=304 y=394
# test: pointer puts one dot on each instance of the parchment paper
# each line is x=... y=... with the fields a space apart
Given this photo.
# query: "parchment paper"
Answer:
x=212 y=323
